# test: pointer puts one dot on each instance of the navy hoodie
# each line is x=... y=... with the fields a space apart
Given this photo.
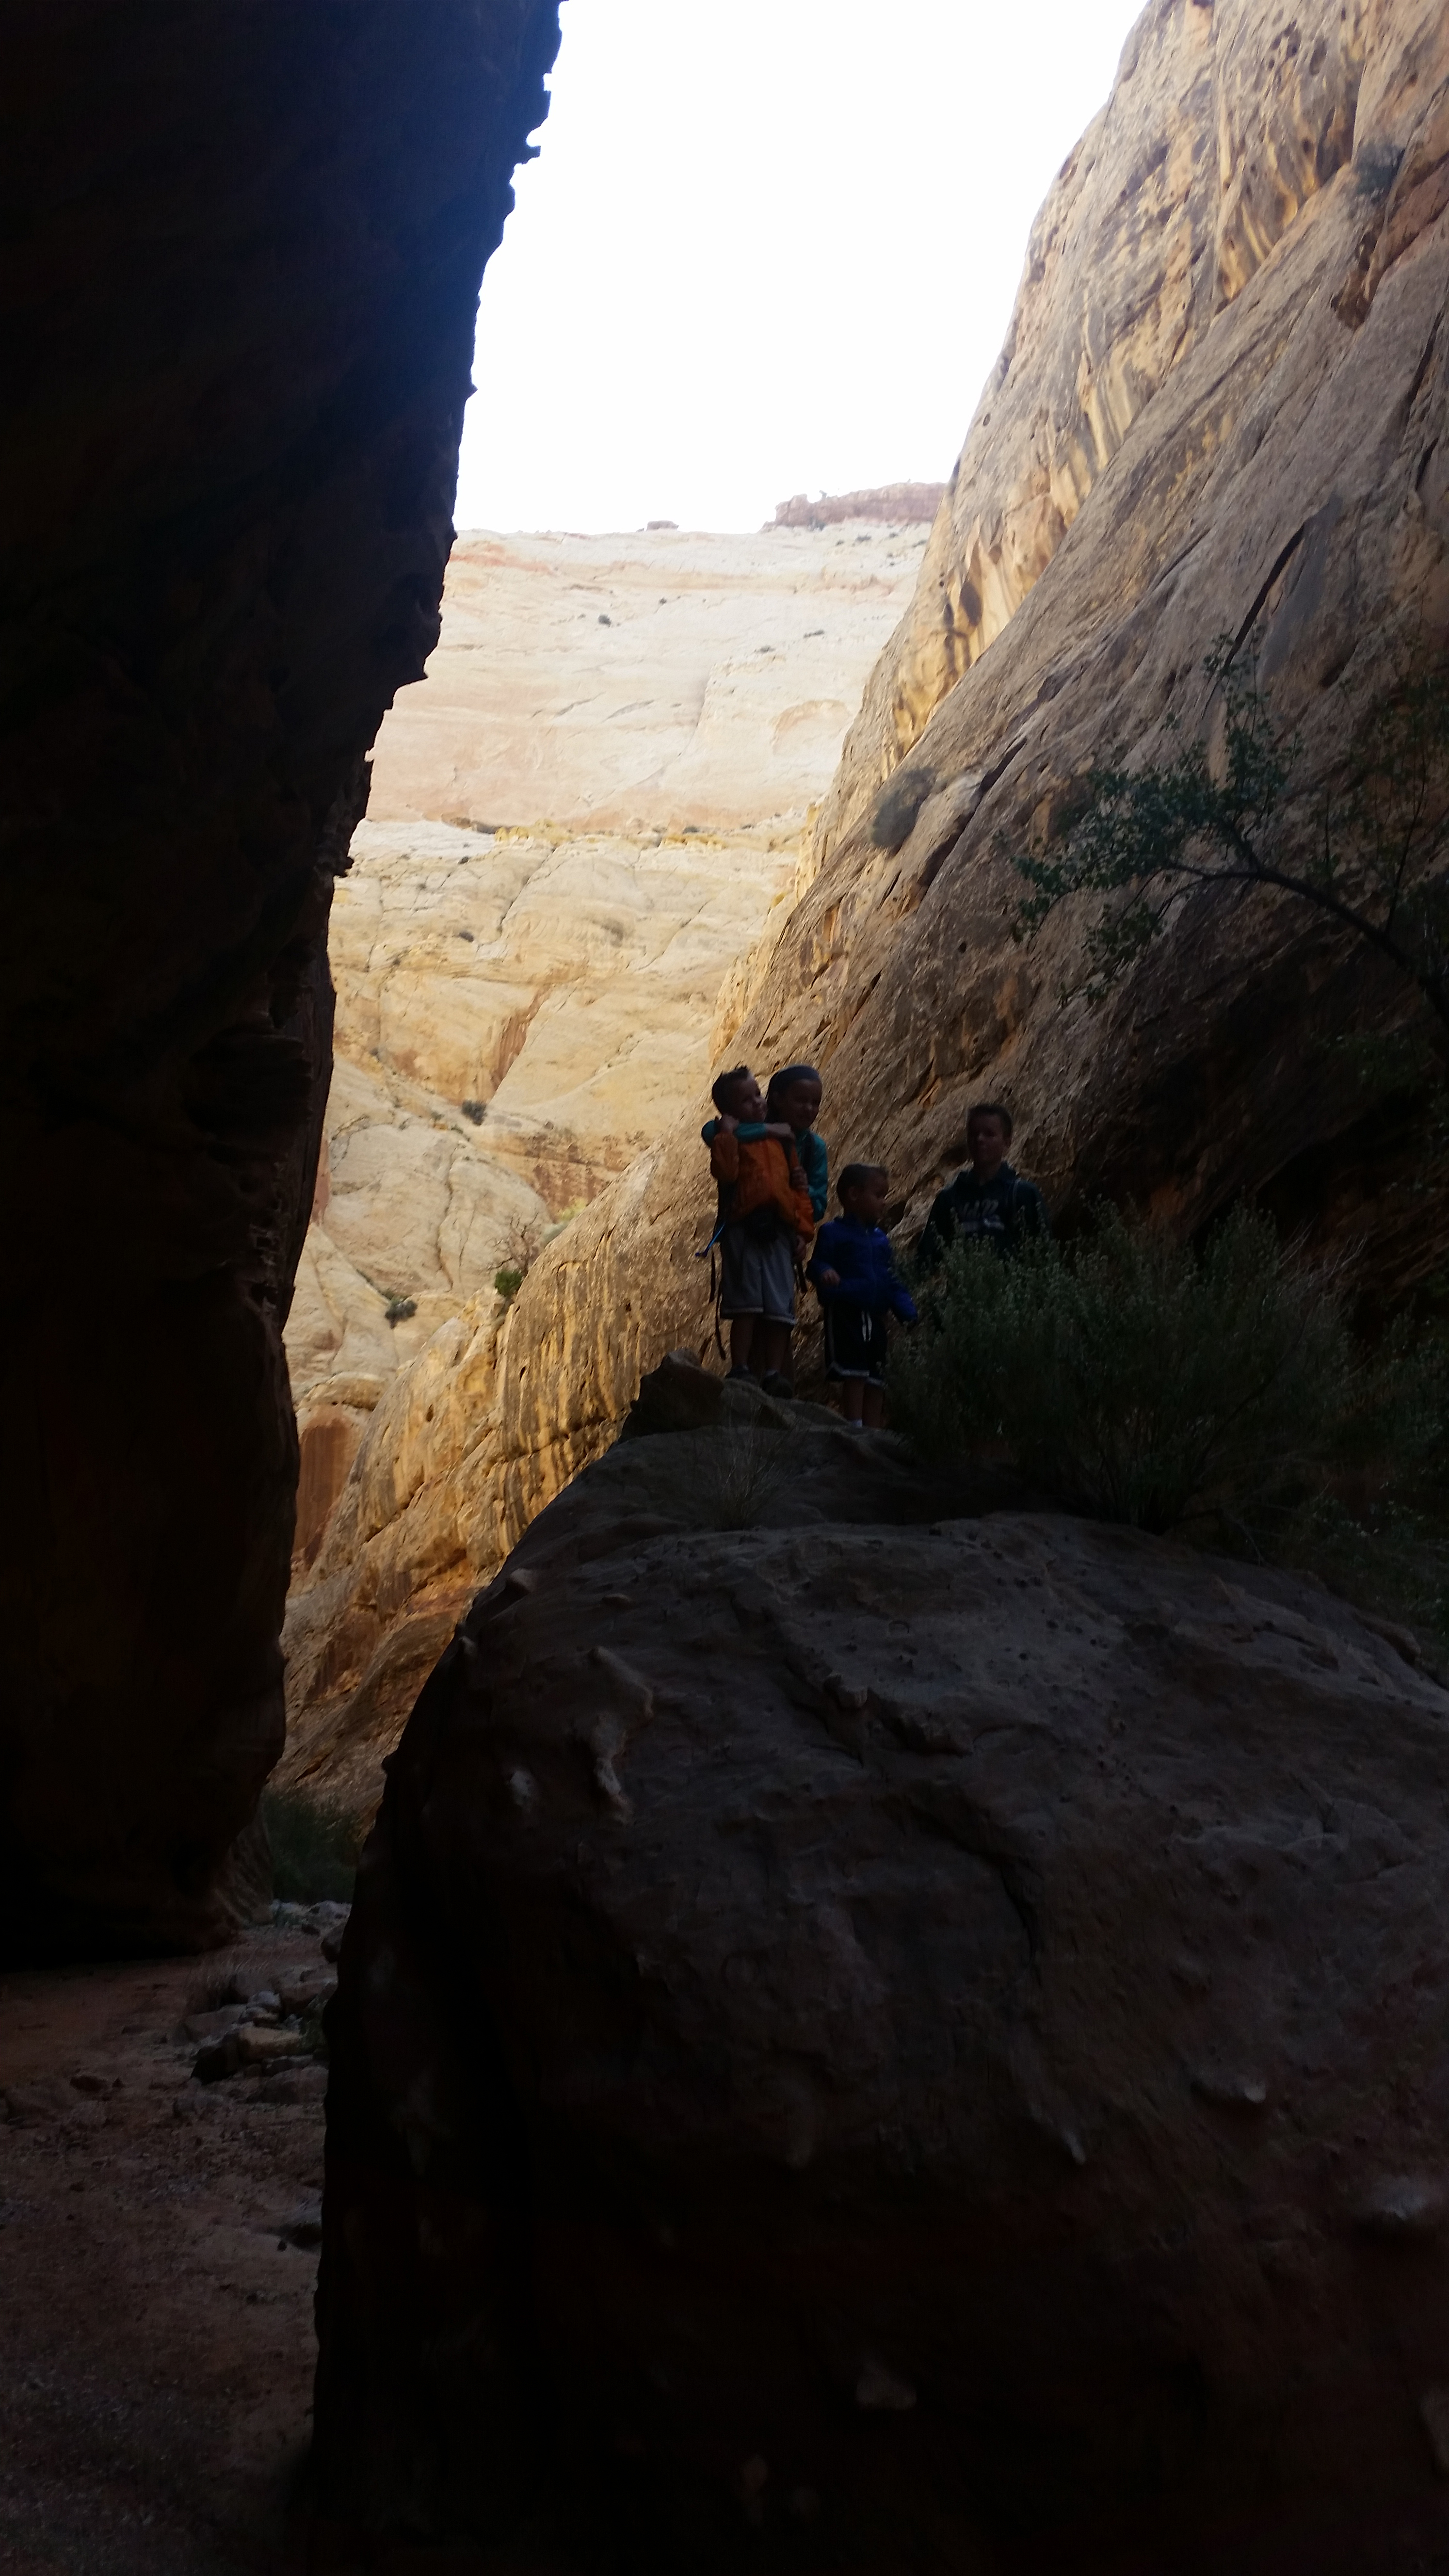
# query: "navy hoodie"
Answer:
x=862 y=1255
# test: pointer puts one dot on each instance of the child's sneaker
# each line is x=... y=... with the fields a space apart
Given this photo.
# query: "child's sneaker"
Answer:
x=774 y=1382
x=741 y=1377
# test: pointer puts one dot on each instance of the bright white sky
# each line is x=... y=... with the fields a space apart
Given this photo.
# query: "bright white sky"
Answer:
x=769 y=246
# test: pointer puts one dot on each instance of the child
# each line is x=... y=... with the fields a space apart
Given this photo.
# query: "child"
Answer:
x=855 y=1280
x=987 y=1202
x=792 y=1105
x=764 y=1214
x=794 y=1099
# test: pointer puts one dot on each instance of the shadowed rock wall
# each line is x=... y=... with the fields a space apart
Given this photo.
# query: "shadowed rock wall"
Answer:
x=244 y=255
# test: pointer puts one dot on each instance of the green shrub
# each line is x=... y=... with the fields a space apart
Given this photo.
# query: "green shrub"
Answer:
x=315 y=1848
x=1132 y=1379
x=507 y=1282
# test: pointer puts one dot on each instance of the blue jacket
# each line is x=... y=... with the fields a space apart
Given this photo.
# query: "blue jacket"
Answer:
x=862 y=1255
x=809 y=1146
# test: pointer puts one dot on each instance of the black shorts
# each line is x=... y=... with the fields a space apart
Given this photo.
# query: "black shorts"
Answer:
x=855 y=1340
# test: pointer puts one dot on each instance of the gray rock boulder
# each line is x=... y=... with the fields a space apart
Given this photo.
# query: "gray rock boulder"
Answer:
x=882 y=2038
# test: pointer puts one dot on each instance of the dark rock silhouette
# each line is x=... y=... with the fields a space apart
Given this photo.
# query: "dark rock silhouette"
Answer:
x=868 y=2040
x=242 y=273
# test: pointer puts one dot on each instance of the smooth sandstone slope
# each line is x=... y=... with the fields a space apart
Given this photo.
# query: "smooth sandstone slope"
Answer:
x=643 y=683
x=241 y=266
x=1287 y=481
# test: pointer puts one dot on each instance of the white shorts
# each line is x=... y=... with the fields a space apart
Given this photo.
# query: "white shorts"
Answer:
x=757 y=1278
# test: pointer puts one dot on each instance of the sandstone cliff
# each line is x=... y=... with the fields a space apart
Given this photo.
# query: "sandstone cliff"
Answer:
x=242 y=267
x=901 y=501
x=522 y=1004
x=577 y=825
x=1241 y=280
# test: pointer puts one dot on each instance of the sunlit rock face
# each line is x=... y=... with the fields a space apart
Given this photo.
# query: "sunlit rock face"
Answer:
x=578 y=825
x=1223 y=123
x=241 y=313
x=643 y=683
x=643 y=722
x=1286 y=482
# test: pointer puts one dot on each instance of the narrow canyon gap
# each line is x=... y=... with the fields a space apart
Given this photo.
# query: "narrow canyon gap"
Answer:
x=243 y=267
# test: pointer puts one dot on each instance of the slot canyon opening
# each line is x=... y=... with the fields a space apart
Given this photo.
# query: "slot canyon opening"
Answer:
x=801 y=2091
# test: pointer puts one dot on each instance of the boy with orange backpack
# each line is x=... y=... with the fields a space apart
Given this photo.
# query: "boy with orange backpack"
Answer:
x=764 y=1224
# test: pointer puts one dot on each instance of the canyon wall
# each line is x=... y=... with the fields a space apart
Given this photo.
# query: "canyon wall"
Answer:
x=579 y=823
x=242 y=269
x=1221 y=408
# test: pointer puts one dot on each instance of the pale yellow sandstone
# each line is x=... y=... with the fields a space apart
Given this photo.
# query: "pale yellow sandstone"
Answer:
x=653 y=773
x=643 y=682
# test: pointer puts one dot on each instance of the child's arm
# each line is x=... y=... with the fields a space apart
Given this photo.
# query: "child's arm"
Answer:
x=724 y=1154
x=816 y=1165
x=821 y=1271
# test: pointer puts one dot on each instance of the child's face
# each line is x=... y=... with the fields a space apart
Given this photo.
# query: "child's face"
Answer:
x=800 y=1103
x=747 y=1102
x=867 y=1199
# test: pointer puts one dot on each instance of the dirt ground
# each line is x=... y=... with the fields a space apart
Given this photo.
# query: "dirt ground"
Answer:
x=157 y=2260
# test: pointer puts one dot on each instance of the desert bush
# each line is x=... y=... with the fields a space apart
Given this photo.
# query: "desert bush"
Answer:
x=221 y=1980
x=726 y=1477
x=314 y=1847
x=522 y=1243
x=400 y=1308
x=1218 y=1392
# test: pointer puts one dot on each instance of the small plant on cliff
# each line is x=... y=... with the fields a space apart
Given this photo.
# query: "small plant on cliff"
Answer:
x=315 y=1847
x=1371 y=851
x=520 y=1251
x=398 y=1309
x=1133 y=1379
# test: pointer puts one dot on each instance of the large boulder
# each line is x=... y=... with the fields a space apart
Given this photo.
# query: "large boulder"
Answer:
x=880 y=2034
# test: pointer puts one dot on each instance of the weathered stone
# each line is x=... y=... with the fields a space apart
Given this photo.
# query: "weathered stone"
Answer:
x=946 y=2021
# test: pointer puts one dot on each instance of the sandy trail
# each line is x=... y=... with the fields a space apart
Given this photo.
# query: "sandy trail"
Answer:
x=156 y=2347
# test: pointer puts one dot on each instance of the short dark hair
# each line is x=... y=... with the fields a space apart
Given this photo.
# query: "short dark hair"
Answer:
x=782 y=1081
x=724 y=1086
x=989 y=1109
x=855 y=1173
